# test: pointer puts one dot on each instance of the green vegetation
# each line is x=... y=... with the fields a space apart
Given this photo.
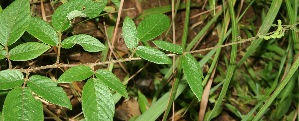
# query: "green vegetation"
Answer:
x=202 y=70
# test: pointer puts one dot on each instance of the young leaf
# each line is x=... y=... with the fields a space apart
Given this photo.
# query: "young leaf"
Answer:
x=88 y=43
x=142 y=101
x=13 y=21
x=10 y=79
x=61 y=16
x=152 y=55
x=42 y=31
x=192 y=72
x=20 y=105
x=2 y=52
x=77 y=73
x=110 y=80
x=130 y=33
x=169 y=46
x=152 y=26
x=27 y=51
x=48 y=90
x=97 y=101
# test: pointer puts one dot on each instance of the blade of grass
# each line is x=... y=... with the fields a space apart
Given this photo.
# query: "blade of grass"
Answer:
x=271 y=15
x=232 y=65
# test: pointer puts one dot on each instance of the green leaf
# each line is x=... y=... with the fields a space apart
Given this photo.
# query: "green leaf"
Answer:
x=77 y=73
x=169 y=46
x=152 y=55
x=48 y=90
x=42 y=31
x=27 y=51
x=2 y=52
x=20 y=105
x=152 y=26
x=88 y=43
x=10 y=79
x=192 y=73
x=142 y=101
x=61 y=16
x=110 y=80
x=13 y=21
x=97 y=101
x=130 y=33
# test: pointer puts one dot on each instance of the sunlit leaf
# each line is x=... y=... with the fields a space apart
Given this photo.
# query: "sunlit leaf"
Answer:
x=48 y=90
x=153 y=55
x=169 y=46
x=192 y=72
x=152 y=26
x=77 y=73
x=10 y=79
x=97 y=101
x=88 y=43
x=130 y=33
x=28 y=51
x=110 y=80
x=20 y=105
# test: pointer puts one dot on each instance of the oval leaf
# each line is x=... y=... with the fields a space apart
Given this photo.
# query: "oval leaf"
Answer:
x=110 y=80
x=13 y=21
x=42 y=31
x=169 y=46
x=27 y=51
x=2 y=52
x=130 y=33
x=77 y=73
x=88 y=43
x=152 y=55
x=97 y=101
x=48 y=90
x=89 y=8
x=20 y=105
x=152 y=26
x=10 y=79
x=192 y=72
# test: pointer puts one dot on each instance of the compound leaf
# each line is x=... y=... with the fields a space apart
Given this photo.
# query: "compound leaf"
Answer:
x=10 y=79
x=130 y=33
x=27 y=51
x=169 y=46
x=97 y=101
x=13 y=21
x=152 y=26
x=77 y=73
x=152 y=55
x=20 y=105
x=88 y=43
x=75 y=8
x=48 y=90
x=192 y=73
x=42 y=31
x=110 y=80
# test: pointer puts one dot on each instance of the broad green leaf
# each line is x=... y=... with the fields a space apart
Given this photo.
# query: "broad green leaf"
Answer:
x=77 y=73
x=20 y=105
x=153 y=55
x=27 y=51
x=13 y=21
x=130 y=33
x=2 y=52
x=42 y=31
x=61 y=16
x=88 y=43
x=152 y=26
x=48 y=90
x=97 y=101
x=110 y=80
x=192 y=73
x=142 y=101
x=10 y=79
x=169 y=46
